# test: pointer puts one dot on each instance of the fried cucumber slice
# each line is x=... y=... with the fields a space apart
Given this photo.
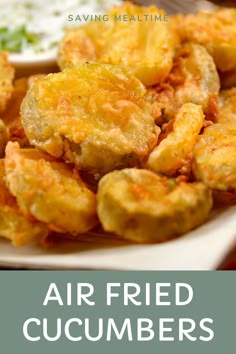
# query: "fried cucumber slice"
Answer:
x=6 y=80
x=49 y=190
x=146 y=46
x=227 y=106
x=143 y=207
x=93 y=115
x=11 y=115
x=216 y=31
x=214 y=161
x=175 y=151
x=13 y=225
x=193 y=78
x=3 y=138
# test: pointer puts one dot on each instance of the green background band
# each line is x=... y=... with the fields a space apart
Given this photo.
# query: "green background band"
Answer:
x=23 y=293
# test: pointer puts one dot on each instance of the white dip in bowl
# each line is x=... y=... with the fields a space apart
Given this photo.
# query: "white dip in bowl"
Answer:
x=31 y=29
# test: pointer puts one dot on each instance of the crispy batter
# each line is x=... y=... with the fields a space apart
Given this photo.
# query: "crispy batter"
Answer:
x=3 y=138
x=11 y=115
x=145 y=47
x=93 y=115
x=13 y=225
x=32 y=78
x=144 y=207
x=194 y=79
x=175 y=151
x=215 y=30
x=227 y=106
x=6 y=80
x=49 y=190
x=214 y=160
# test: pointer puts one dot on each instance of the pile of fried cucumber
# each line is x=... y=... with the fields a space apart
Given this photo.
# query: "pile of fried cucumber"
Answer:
x=135 y=136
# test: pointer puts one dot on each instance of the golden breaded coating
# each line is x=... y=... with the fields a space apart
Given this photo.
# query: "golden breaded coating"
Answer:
x=144 y=207
x=6 y=80
x=214 y=160
x=175 y=151
x=49 y=190
x=216 y=31
x=11 y=115
x=12 y=111
x=3 y=138
x=93 y=115
x=13 y=225
x=194 y=79
x=145 y=46
x=227 y=106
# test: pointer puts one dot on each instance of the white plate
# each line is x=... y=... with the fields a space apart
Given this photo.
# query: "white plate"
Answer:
x=201 y=249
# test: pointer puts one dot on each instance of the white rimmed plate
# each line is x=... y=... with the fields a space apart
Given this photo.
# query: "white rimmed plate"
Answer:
x=201 y=249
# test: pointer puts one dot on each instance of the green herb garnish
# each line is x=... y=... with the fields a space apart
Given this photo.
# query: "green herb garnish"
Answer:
x=16 y=41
